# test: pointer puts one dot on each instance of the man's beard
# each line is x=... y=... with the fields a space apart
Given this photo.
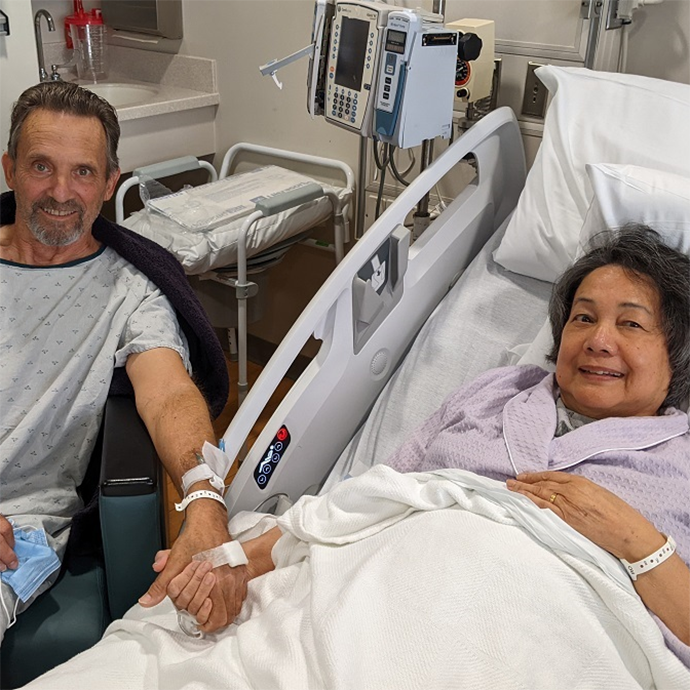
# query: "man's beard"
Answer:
x=55 y=234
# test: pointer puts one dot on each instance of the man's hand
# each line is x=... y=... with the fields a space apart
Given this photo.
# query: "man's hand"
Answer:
x=191 y=589
x=593 y=511
x=8 y=558
x=205 y=528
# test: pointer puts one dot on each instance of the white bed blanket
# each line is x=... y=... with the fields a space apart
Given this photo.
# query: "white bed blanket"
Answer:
x=406 y=581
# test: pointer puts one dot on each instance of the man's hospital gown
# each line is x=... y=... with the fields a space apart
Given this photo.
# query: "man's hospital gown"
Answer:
x=63 y=329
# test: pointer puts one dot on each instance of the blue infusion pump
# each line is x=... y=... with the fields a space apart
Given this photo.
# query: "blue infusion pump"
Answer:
x=418 y=61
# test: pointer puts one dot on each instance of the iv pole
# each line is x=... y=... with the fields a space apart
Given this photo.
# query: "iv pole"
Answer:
x=422 y=213
x=421 y=216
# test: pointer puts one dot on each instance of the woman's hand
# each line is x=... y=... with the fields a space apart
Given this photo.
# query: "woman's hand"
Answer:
x=613 y=524
x=593 y=511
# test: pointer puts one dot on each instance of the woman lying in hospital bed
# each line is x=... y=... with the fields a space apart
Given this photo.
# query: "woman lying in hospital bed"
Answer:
x=520 y=537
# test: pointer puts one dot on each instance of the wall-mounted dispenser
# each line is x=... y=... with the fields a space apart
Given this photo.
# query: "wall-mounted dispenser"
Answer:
x=157 y=17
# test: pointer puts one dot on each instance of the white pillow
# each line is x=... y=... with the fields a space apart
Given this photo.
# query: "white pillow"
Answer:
x=594 y=117
x=630 y=193
x=539 y=348
x=622 y=194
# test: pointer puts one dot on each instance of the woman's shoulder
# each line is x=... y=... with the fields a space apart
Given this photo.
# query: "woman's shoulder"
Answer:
x=503 y=383
x=519 y=376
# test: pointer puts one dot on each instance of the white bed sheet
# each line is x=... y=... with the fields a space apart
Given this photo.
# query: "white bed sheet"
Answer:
x=489 y=311
x=355 y=603
x=206 y=250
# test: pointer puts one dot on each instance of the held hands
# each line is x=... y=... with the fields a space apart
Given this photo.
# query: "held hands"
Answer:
x=192 y=589
x=8 y=558
x=593 y=511
x=229 y=586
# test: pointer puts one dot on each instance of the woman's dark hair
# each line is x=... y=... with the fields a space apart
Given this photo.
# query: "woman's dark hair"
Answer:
x=641 y=252
x=66 y=97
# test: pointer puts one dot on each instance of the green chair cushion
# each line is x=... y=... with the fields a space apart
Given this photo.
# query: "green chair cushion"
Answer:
x=79 y=595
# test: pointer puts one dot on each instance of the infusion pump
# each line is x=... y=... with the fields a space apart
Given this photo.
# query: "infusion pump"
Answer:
x=379 y=70
x=390 y=73
x=414 y=95
x=353 y=61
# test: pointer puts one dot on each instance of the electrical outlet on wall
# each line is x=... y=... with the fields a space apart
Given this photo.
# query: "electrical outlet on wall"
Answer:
x=534 y=97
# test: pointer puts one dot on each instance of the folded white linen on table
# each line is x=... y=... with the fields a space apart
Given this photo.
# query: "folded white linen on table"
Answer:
x=203 y=250
x=405 y=581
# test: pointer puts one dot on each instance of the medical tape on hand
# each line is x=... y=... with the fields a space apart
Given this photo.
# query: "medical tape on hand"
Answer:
x=230 y=553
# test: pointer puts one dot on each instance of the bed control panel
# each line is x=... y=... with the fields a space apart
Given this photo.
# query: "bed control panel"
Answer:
x=271 y=457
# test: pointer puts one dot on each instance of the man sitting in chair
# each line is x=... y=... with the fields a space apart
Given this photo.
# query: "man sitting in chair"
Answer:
x=88 y=307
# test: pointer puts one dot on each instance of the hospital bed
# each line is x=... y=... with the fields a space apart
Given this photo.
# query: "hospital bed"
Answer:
x=392 y=352
x=239 y=225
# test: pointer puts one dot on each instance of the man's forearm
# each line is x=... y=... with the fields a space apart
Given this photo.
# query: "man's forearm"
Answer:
x=179 y=425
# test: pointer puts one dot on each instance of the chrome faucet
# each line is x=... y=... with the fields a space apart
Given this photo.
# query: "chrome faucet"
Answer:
x=42 y=73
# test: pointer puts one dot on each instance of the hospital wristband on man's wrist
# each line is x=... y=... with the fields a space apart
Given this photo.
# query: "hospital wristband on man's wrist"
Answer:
x=203 y=493
x=199 y=474
x=652 y=561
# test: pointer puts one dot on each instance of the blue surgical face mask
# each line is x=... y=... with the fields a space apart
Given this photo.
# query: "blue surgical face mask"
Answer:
x=37 y=561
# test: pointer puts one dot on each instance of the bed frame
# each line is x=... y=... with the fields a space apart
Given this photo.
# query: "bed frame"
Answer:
x=367 y=314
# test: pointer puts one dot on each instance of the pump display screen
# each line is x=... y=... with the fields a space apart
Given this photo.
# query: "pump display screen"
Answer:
x=352 y=50
x=395 y=41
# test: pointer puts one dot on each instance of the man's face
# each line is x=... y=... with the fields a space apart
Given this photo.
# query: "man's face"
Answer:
x=59 y=176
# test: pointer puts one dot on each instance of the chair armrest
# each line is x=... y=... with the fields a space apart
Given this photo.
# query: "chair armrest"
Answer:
x=131 y=505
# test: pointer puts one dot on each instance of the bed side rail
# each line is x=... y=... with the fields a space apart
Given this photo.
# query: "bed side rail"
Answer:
x=317 y=418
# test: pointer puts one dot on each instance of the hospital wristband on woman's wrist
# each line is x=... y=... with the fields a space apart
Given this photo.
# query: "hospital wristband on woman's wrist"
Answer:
x=652 y=561
x=203 y=493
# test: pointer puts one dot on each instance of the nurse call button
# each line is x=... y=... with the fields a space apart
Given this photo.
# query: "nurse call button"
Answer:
x=271 y=457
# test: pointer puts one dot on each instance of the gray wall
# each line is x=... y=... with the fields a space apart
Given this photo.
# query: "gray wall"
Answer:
x=660 y=41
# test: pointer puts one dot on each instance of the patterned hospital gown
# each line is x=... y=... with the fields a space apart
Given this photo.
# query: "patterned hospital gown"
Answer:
x=63 y=329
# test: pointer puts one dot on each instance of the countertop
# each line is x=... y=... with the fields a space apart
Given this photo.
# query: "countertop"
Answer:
x=168 y=99
x=181 y=82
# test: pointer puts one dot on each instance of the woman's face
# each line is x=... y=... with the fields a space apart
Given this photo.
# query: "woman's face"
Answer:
x=613 y=360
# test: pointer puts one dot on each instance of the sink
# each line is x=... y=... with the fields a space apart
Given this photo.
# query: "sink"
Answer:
x=119 y=95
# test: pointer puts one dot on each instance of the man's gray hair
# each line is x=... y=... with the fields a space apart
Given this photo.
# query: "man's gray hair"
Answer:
x=641 y=252
x=66 y=97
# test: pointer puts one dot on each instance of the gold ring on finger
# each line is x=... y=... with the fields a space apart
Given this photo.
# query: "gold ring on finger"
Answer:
x=552 y=498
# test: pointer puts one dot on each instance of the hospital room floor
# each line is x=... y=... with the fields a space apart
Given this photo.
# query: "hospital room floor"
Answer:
x=173 y=518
